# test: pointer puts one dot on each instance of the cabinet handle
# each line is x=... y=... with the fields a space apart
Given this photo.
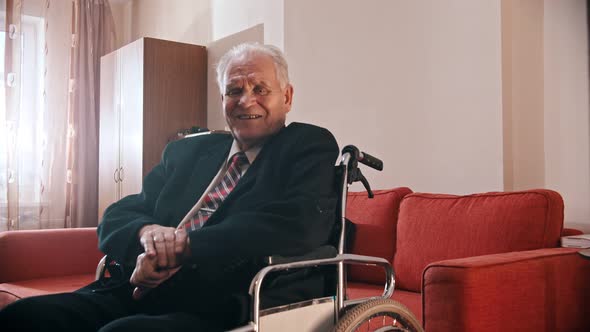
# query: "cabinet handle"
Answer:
x=121 y=174
x=116 y=175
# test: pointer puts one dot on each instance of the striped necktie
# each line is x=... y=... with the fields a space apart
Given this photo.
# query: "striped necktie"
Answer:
x=215 y=197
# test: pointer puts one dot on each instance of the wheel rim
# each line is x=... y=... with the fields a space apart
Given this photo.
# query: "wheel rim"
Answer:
x=382 y=322
x=380 y=315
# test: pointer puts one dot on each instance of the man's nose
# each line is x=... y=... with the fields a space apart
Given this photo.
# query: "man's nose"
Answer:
x=247 y=99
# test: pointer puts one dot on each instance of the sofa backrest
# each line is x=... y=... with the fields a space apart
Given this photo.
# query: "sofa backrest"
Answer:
x=47 y=253
x=375 y=223
x=434 y=227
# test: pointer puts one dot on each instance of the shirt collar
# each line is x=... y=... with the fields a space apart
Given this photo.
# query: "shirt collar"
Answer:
x=251 y=153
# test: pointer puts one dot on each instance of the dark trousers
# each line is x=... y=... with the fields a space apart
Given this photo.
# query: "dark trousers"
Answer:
x=82 y=311
x=174 y=306
x=179 y=304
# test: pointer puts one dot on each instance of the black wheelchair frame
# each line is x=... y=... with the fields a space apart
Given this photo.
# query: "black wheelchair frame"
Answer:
x=348 y=314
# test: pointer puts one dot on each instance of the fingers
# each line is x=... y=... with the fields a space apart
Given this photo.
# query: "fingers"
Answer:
x=145 y=277
x=160 y=245
x=146 y=274
x=148 y=278
x=146 y=238
x=161 y=242
x=139 y=292
x=169 y=240
x=180 y=242
x=147 y=241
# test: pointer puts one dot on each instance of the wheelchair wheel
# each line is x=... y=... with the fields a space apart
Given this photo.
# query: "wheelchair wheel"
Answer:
x=379 y=316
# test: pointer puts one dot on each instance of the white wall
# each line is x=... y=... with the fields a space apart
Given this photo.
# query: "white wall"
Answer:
x=523 y=94
x=187 y=21
x=567 y=121
x=122 y=16
x=233 y=16
x=417 y=83
x=200 y=21
x=30 y=7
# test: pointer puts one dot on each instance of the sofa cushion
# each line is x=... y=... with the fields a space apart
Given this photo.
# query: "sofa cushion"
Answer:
x=434 y=227
x=375 y=222
x=10 y=292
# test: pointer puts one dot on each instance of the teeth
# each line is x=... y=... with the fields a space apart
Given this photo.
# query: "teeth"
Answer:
x=247 y=116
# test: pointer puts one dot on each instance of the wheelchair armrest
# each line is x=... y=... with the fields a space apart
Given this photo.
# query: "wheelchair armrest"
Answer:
x=256 y=284
x=319 y=253
x=101 y=268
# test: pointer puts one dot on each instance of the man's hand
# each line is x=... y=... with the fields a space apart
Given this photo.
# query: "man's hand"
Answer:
x=168 y=245
x=146 y=275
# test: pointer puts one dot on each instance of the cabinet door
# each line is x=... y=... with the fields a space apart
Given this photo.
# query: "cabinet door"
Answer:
x=108 y=157
x=131 y=59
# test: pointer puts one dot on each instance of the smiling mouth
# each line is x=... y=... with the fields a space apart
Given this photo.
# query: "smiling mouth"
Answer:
x=248 y=116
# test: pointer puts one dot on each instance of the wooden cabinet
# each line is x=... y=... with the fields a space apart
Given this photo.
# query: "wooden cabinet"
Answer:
x=150 y=89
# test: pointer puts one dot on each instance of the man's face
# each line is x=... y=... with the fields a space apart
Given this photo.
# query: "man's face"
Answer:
x=254 y=105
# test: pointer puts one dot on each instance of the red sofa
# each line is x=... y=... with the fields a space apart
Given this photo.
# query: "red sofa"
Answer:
x=48 y=261
x=462 y=263
x=482 y=262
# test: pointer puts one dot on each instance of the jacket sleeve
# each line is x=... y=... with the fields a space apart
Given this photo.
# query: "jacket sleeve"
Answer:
x=121 y=222
x=296 y=220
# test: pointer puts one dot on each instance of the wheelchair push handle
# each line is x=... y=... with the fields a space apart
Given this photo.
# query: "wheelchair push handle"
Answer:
x=371 y=161
x=363 y=157
x=351 y=156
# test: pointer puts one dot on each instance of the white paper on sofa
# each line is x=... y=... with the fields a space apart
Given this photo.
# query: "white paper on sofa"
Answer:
x=576 y=241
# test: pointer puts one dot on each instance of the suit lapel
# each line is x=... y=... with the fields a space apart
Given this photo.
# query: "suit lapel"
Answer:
x=249 y=178
x=243 y=186
x=205 y=167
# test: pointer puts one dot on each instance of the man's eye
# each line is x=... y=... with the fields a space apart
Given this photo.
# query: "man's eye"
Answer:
x=233 y=92
x=261 y=90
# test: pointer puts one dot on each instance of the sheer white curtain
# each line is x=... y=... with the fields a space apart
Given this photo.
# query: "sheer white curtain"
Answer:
x=20 y=116
x=49 y=57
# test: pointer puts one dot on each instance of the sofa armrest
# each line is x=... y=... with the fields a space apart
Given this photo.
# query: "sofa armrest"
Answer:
x=537 y=290
x=33 y=254
x=570 y=231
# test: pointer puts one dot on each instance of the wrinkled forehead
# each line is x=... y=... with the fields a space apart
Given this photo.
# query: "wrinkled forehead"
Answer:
x=251 y=67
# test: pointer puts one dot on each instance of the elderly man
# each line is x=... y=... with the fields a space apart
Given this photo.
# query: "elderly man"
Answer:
x=214 y=206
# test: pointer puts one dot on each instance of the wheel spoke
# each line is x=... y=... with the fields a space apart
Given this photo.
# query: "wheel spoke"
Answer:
x=383 y=315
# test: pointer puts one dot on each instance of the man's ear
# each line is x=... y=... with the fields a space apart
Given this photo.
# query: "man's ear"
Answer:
x=288 y=95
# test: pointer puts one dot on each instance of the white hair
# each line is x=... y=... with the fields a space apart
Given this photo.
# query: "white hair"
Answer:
x=277 y=56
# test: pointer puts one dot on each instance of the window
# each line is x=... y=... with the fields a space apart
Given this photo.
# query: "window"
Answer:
x=30 y=122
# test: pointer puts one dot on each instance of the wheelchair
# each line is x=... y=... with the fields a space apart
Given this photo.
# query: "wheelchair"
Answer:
x=334 y=313
x=331 y=313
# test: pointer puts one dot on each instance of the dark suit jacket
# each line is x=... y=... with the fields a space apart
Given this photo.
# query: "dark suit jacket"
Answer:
x=284 y=204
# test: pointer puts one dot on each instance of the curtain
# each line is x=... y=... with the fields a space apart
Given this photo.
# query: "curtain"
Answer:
x=13 y=139
x=49 y=61
x=93 y=35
